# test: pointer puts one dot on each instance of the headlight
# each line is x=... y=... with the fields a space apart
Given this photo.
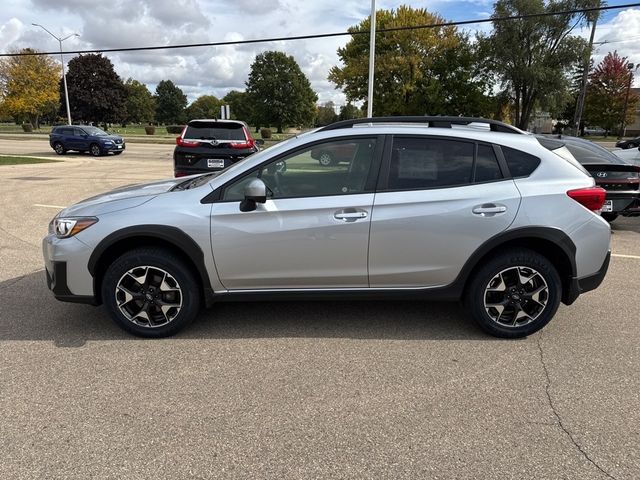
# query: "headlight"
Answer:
x=70 y=226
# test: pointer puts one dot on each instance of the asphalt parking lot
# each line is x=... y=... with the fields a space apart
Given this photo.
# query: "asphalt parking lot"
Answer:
x=384 y=390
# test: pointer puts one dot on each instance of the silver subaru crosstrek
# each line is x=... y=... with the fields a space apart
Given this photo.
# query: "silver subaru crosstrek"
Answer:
x=429 y=208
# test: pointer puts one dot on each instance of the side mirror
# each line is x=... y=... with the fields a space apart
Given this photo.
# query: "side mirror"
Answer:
x=260 y=142
x=255 y=192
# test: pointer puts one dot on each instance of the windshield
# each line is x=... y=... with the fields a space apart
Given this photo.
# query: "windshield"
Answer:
x=95 y=131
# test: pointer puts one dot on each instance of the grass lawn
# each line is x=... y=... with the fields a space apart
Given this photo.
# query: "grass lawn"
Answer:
x=15 y=160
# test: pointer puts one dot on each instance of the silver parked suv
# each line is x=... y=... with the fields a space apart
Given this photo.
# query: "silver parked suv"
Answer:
x=442 y=208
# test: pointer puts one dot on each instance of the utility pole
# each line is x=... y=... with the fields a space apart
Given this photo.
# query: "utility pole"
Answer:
x=577 y=118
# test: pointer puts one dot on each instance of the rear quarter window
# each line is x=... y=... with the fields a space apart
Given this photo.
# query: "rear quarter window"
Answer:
x=520 y=164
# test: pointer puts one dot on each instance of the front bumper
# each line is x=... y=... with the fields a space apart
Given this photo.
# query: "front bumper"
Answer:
x=66 y=270
x=57 y=283
x=120 y=147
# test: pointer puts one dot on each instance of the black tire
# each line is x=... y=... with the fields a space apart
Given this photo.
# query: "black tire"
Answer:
x=516 y=264
x=59 y=148
x=95 y=150
x=326 y=159
x=168 y=283
x=609 y=217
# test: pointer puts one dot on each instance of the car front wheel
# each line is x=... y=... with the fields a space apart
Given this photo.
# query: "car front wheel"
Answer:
x=59 y=148
x=95 y=150
x=150 y=292
x=514 y=294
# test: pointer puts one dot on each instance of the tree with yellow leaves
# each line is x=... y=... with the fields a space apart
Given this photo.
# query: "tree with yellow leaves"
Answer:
x=29 y=86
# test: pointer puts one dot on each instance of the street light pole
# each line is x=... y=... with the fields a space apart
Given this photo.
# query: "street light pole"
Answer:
x=372 y=56
x=64 y=77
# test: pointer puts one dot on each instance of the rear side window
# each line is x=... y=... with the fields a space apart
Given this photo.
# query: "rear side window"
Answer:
x=419 y=163
x=520 y=164
x=213 y=131
x=487 y=168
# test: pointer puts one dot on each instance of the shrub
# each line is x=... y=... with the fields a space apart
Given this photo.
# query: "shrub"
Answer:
x=27 y=127
x=150 y=129
x=265 y=132
x=175 y=128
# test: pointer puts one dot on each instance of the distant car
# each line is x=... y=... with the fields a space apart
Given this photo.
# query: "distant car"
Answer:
x=211 y=145
x=629 y=143
x=84 y=138
x=617 y=176
x=595 y=131
x=333 y=154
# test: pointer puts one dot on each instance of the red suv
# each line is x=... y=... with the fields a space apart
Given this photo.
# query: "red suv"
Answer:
x=211 y=145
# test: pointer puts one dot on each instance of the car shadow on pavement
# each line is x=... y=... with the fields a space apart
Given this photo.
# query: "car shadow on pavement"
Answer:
x=30 y=313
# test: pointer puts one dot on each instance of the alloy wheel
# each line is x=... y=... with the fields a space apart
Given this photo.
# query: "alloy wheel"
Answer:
x=516 y=296
x=148 y=296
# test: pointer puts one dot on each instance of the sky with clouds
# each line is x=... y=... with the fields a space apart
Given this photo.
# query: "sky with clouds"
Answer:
x=217 y=70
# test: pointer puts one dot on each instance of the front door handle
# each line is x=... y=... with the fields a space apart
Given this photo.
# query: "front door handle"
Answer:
x=489 y=209
x=349 y=215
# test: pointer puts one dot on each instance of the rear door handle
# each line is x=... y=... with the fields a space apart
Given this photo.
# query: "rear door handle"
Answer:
x=349 y=215
x=489 y=209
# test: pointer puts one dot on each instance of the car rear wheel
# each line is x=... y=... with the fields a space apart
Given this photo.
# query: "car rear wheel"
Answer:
x=514 y=294
x=609 y=217
x=95 y=150
x=326 y=159
x=150 y=292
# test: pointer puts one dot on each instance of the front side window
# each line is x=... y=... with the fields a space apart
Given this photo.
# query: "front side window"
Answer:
x=421 y=163
x=331 y=168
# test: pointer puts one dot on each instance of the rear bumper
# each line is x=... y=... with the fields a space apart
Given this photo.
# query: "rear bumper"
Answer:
x=582 y=285
x=625 y=203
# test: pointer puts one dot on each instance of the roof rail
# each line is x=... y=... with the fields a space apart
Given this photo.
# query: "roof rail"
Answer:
x=434 y=121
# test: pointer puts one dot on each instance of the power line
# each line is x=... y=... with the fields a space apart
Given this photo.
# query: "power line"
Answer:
x=329 y=35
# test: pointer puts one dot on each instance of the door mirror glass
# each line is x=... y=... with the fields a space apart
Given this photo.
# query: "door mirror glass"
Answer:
x=260 y=142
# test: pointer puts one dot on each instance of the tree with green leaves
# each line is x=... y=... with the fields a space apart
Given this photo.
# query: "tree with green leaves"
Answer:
x=326 y=114
x=171 y=103
x=239 y=105
x=279 y=92
x=607 y=91
x=140 y=104
x=29 y=87
x=205 y=106
x=533 y=57
x=350 y=111
x=424 y=71
x=96 y=93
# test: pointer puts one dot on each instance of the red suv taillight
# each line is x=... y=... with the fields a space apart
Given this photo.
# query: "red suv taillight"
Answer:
x=248 y=143
x=591 y=198
x=181 y=142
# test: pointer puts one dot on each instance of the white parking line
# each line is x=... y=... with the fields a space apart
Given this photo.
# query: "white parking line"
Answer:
x=625 y=256
x=48 y=206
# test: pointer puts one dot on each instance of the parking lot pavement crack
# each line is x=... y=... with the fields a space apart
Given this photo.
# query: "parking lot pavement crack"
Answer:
x=559 y=420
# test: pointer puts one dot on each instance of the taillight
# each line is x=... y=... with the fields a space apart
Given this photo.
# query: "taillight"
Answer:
x=181 y=142
x=179 y=173
x=592 y=198
x=248 y=143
